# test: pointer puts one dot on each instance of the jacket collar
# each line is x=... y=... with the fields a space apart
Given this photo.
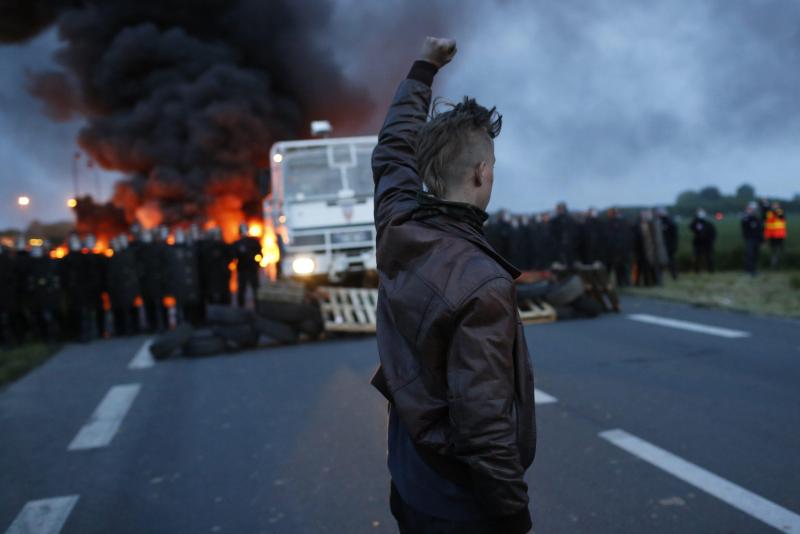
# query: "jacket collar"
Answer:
x=452 y=216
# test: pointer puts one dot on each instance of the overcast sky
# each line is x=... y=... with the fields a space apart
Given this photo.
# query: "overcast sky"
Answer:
x=36 y=153
x=604 y=102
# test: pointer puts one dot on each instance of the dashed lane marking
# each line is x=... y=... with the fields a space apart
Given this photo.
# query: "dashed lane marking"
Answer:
x=540 y=397
x=736 y=496
x=686 y=325
x=106 y=419
x=143 y=358
x=46 y=516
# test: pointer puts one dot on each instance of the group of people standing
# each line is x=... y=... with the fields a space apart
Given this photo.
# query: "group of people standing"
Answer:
x=636 y=251
x=146 y=281
x=763 y=222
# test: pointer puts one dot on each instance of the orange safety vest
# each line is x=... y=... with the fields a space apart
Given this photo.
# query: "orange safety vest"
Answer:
x=775 y=227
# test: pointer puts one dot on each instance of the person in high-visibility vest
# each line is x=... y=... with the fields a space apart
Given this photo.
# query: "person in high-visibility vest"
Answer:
x=775 y=232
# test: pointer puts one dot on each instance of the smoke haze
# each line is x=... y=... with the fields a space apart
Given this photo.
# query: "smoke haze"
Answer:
x=603 y=102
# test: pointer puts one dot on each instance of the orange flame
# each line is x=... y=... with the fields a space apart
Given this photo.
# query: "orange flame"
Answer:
x=255 y=229
x=58 y=252
x=233 y=283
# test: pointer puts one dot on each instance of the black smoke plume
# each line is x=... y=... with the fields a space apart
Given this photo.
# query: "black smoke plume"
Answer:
x=186 y=98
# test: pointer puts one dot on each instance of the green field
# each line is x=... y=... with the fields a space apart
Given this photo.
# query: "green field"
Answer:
x=730 y=247
x=17 y=361
x=774 y=293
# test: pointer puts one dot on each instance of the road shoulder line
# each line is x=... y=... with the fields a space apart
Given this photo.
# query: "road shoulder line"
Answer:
x=689 y=326
x=736 y=496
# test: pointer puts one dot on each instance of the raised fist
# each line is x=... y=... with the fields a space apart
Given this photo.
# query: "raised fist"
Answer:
x=438 y=51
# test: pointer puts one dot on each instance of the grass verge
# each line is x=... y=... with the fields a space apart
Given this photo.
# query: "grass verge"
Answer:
x=15 y=362
x=770 y=293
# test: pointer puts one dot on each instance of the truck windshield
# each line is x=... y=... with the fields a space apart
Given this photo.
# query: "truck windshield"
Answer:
x=323 y=171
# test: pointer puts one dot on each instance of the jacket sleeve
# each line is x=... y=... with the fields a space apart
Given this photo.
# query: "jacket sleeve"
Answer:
x=394 y=167
x=480 y=380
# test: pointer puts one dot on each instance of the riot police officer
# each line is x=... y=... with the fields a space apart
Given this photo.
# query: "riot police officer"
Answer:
x=246 y=248
x=620 y=246
x=705 y=233
x=752 y=233
x=43 y=287
x=215 y=276
x=97 y=267
x=592 y=238
x=150 y=254
x=7 y=296
x=21 y=320
x=123 y=285
x=566 y=235
x=183 y=278
x=75 y=273
x=669 y=232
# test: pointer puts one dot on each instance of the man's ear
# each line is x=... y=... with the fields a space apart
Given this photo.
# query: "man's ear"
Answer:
x=480 y=173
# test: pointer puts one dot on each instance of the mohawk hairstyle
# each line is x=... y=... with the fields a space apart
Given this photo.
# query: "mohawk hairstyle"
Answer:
x=447 y=143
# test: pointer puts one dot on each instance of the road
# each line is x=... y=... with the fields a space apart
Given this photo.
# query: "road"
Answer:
x=705 y=433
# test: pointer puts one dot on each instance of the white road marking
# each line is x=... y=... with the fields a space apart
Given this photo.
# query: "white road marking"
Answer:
x=46 y=516
x=106 y=419
x=686 y=325
x=738 y=497
x=540 y=397
x=143 y=358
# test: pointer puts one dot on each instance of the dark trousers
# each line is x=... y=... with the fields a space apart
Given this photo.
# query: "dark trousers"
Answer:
x=154 y=312
x=776 y=251
x=703 y=255
x=412 y=521
x=246 y=278
x=751 y=250
x=672 y=266
x=622 y=271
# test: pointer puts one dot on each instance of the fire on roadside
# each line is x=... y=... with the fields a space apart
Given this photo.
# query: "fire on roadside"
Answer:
x=59 y=252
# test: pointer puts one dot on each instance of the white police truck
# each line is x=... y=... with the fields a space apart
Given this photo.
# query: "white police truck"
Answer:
x=321 y=206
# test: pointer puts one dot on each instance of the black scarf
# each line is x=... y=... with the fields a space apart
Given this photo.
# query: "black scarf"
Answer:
x=430 y=206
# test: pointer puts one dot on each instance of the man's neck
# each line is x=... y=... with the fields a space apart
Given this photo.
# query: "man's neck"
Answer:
x=462 y=198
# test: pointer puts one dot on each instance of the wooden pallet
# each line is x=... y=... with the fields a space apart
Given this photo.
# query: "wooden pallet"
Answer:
x=349 y=309
x=535 y=311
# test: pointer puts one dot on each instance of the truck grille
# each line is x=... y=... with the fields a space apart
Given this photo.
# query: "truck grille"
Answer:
x=342 y=238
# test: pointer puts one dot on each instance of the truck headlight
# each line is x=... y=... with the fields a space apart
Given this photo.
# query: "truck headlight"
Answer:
x=303 y=265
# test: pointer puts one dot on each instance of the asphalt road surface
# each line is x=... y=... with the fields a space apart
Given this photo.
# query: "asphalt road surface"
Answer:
x=646 y=425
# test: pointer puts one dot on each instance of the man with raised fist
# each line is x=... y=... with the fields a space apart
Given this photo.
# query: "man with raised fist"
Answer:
x=454 y=362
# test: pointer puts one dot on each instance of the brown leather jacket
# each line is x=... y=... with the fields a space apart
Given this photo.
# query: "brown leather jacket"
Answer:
x=453 y=355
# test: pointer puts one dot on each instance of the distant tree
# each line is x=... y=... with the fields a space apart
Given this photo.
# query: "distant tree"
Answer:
x=746 y=192
x=688 y=199
x=710 y=193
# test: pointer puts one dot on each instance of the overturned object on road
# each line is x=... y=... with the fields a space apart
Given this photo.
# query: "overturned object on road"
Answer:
x=596 y=283
x=583 y=291
x=232 y=329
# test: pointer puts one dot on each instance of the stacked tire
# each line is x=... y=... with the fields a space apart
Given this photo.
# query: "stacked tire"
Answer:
x=234 y=329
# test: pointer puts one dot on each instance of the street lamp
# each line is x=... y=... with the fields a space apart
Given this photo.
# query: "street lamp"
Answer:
x=23 y=201
x=71 y=203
